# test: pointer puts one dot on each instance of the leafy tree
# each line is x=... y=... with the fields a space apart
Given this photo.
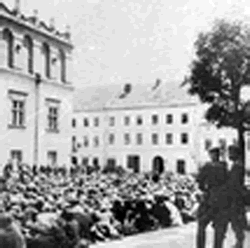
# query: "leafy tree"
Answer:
x=218 y=72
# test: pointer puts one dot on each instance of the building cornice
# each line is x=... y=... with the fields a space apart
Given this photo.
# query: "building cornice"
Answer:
x=134 y=108
x=40 y=27
x=31 y=77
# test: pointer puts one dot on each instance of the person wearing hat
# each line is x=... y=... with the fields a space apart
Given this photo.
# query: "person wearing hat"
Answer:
x=211 y=177
x=236 y=214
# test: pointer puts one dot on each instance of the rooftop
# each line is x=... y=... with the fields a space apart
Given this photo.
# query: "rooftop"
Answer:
x=129 y=96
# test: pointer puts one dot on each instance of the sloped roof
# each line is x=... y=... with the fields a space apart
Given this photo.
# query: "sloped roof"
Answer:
x=141 y=95
x=94 y=97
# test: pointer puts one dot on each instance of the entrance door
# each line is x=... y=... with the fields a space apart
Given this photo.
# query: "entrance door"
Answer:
x=111 y=162
x=133 y=162
x=158 y=165
x=52 y=157
x=16 y=157
x=181 y=166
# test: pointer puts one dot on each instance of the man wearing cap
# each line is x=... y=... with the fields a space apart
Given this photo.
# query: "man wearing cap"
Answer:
x=211 y=177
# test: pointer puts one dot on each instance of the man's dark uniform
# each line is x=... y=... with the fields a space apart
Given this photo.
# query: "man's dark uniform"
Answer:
x=212 y=176
x=229 y=206
x=237 y=214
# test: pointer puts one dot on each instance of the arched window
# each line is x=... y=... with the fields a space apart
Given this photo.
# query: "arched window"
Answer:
x=46 y=53
x=8 y=37
x=28 y=44
x=62 y=66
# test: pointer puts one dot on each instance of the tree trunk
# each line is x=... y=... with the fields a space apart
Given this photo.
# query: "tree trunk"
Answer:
x=241 y=142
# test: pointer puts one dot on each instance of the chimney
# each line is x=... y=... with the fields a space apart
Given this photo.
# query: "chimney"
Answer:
x=52 y=23
x=35 y=15
x=127 y=88
x=17 y=7
x=68 y=32
x=157 y=83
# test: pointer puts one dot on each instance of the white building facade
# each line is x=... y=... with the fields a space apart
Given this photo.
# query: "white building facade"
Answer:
x=145 y=129
x=36 y=93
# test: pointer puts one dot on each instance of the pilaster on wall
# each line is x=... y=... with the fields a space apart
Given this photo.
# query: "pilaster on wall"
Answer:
x=38 y=59
x=69 y=67
x=19 y=52
x=55 y=64
x=3 y=50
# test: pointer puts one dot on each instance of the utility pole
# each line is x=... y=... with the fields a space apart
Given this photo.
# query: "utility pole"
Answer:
x=37 y=110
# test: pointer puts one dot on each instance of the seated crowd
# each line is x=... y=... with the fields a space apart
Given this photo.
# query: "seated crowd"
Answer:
x=59 y=207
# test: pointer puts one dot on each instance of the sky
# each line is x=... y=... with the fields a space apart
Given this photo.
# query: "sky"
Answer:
x=136 y=41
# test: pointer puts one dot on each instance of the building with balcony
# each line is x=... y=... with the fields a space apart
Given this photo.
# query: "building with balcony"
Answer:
x=36 y=92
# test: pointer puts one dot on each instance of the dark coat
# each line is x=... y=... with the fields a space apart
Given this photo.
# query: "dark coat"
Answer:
x=10 y=234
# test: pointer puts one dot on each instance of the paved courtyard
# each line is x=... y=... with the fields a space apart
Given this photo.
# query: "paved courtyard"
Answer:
x=172 y=238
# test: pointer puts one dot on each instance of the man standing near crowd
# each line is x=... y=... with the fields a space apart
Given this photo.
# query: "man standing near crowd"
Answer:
x=212 y=176
x=237 y=213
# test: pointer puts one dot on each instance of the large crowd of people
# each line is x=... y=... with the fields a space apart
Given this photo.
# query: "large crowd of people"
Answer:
x=60 y=207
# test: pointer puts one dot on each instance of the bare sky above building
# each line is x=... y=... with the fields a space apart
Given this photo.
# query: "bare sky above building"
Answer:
x=133 y=40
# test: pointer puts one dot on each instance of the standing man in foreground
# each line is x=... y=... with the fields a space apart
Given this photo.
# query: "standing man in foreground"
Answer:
x=237 y=213
x=212 y=176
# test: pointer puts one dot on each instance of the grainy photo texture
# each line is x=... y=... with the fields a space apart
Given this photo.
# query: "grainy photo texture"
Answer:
x=124 y=123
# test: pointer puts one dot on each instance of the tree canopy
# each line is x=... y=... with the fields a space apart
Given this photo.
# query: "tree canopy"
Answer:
x=218 y=72
x=220 y=69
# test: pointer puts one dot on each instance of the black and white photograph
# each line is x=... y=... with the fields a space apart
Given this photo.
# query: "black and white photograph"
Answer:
x=124 y=124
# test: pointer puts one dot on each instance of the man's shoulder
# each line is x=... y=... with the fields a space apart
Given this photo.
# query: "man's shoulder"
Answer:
x=206 y=167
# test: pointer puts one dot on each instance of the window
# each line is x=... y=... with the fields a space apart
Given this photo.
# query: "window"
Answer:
x=248 y=143
x=181 y=166
x=74 y=160
x=85 y=122
x=18 y=113
x=169 y=119
x=169 y=138
x=62 y=65
x=155 y=140
x=126 y=120
x=53 y=118
x=184 y=138
x=74 y=123
x=139 y=120
x=184 y=118
x=208 y=144
x=111 y=121
x=16 y=155
x=96 y=121
x=126 y=139
x=74 y=149
x=95 y=161
x=111 y=162
x=96 y=141
x=85 y=161
x=85 y=141
x=223 y=146
x=28 y=44
x=46 y=53
x=8 y=37
x=235 y=142
x=154 y=119
x=111 y=139
x=52 y=157
x=139 y=138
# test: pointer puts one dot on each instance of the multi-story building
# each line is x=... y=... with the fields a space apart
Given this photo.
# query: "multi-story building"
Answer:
x=143 y=127
x=36 y=93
